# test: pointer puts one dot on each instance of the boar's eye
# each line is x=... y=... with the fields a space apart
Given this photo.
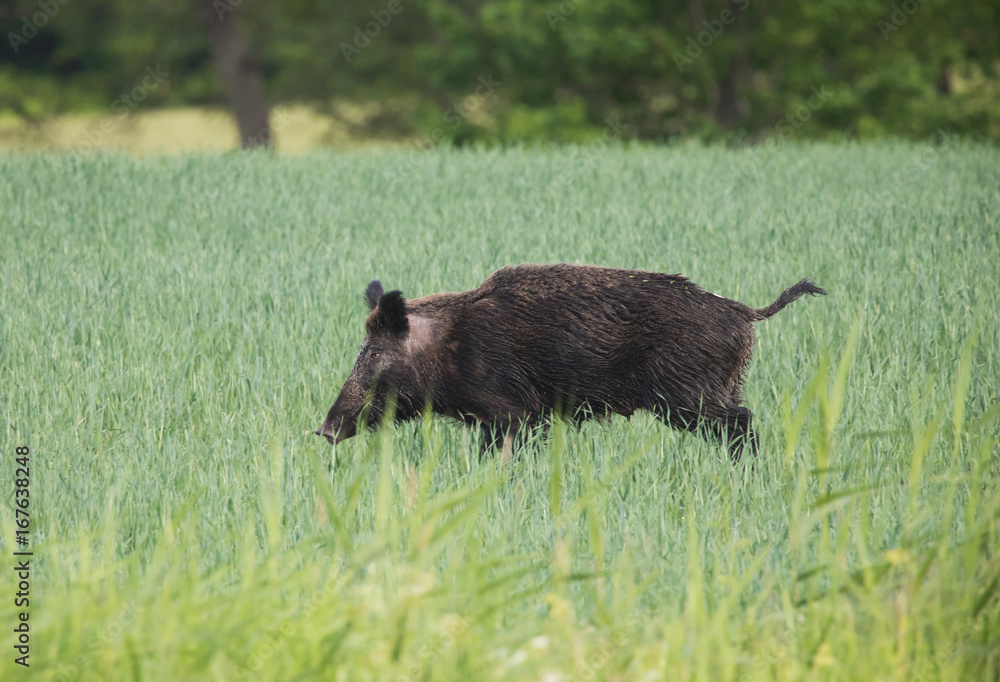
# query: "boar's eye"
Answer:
x=375 y=356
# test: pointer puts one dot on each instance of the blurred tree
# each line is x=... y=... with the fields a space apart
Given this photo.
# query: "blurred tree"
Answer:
x=568 y=70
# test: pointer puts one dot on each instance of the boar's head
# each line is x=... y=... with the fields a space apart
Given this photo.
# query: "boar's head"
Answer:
x=383 y=371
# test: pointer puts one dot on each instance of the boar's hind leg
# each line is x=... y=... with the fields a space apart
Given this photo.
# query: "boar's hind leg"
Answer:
x=735 y=430
x=730 y=425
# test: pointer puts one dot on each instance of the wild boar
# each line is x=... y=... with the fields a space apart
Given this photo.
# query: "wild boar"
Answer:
x=535 y=339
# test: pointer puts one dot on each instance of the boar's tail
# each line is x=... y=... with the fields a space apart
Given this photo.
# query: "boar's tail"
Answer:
x=790 y=294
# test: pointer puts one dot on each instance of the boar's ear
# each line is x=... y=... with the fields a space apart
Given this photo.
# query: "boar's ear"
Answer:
x=390 y=316
x=373 y=293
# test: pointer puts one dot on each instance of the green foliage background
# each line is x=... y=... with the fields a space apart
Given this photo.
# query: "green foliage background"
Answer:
x=901 y=68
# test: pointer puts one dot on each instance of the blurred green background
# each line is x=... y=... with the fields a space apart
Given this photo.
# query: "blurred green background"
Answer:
x=167 y=76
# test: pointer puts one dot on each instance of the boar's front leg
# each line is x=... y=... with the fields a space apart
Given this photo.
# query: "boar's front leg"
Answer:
x=509 y=433
x=498 y=436
x=492 y=438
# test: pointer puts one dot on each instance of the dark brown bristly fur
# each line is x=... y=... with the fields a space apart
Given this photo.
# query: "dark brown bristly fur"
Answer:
x=535 y=339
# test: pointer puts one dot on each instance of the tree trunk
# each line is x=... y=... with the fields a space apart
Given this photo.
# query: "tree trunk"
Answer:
x=732 y=107
x=239 y=73
x=944 y=84
x=725 y=100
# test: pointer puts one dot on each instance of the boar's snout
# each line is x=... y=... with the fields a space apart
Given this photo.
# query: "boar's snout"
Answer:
x=336 y=429
x=326 y=433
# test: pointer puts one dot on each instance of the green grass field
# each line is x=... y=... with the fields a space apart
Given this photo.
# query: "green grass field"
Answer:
x=173 y=329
